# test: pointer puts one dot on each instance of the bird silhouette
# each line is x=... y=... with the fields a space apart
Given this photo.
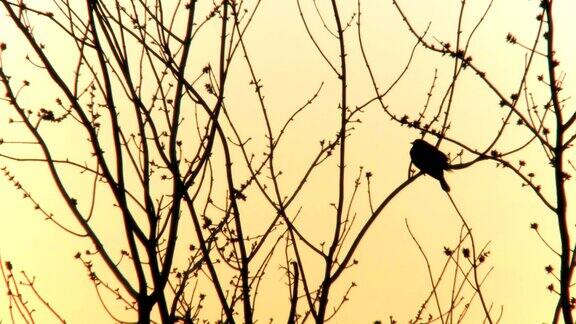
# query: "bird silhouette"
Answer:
x=430 y=160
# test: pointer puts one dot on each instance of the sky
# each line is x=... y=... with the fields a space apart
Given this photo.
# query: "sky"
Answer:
x=391 y=275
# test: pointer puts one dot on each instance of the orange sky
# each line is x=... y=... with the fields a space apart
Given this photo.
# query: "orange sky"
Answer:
x=391 y=274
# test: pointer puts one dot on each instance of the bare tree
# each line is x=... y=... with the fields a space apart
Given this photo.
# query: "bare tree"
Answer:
x=145 y=89
x=163 y=145
x=151 y=132
x=548 y=122
x=159 y=145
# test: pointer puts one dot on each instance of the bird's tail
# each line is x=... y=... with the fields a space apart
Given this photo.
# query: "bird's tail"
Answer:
x=444 y=185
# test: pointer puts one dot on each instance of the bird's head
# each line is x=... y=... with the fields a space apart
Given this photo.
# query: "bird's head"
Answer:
x=419 y=142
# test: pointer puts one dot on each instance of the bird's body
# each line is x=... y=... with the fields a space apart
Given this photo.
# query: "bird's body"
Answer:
x=430 y=160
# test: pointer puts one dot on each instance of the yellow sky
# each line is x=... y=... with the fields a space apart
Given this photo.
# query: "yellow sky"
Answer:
x=391 y=275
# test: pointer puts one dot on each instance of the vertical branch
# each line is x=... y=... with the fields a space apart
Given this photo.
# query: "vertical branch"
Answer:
x=244 y=261
x=456 y=70
x=178 y=188
x=294 y=297
x=329 y=259
x=559 y=174
x=129 y=224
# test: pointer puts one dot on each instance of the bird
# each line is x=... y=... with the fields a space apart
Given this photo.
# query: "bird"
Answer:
x=430 y=160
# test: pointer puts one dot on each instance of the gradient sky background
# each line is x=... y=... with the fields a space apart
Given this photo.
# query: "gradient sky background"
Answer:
x=391 y=275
